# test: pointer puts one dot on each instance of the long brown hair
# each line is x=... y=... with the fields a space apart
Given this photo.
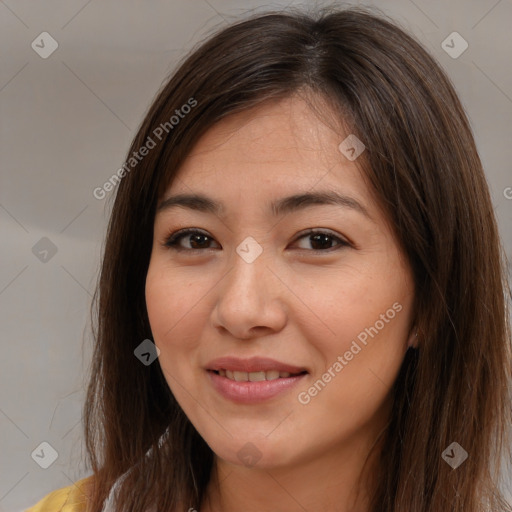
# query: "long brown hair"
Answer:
x=423 y=166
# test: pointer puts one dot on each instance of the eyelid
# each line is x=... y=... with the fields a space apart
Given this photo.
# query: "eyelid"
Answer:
x=342 y=242
x=171 y=241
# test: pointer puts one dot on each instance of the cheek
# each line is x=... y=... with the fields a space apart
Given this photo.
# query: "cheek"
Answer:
x=341 y=303
x=160 y=304
x=361 y=363
x=167 y=306
x=358 y=366
x=364 y=317
x=176 y=307
x=170 y=300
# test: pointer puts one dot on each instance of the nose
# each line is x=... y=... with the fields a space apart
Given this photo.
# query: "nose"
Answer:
x=249 y=300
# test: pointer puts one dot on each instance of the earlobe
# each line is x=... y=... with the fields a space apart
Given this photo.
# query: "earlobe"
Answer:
x=413 y=339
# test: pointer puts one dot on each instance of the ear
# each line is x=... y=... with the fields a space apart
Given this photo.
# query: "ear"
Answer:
x=413 y=338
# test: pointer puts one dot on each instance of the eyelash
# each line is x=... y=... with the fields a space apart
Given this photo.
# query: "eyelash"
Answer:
x=172 y=241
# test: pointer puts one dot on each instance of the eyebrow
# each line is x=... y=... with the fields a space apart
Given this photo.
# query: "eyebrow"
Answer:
x=281 y=206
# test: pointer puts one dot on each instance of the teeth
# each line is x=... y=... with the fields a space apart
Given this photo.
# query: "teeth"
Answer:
x=256 y=376
x=241 y=376
x=253 y=376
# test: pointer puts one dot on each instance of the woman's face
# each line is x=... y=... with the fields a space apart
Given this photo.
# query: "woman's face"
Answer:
x=281 y=329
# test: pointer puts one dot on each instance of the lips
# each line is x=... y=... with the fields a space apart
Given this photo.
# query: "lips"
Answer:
x=254 y=380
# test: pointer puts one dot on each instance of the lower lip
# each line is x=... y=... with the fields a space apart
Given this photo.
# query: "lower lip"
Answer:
x=252 y=392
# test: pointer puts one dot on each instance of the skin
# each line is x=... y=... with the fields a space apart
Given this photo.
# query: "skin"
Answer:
x=292 y=304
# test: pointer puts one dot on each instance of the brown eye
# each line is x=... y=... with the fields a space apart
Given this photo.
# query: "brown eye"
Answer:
x=321 y=241
x=197 y=240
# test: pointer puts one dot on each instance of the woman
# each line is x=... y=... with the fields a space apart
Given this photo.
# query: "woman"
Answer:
x=302 y=299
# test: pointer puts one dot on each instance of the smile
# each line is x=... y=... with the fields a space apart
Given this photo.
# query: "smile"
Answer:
x=252 y=387
x=253 y=376
x=253 y=380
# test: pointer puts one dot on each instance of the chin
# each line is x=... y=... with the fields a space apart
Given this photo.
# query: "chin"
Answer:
x=258 y=453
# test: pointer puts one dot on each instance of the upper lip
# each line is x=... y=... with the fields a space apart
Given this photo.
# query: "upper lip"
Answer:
x=253 y=364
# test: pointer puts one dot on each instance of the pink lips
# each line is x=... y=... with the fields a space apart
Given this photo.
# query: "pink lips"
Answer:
x=247 y=392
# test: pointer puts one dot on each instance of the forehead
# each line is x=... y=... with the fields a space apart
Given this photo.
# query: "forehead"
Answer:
x=285 y=142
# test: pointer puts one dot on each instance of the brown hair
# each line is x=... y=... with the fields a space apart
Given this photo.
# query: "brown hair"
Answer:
x=423 y=165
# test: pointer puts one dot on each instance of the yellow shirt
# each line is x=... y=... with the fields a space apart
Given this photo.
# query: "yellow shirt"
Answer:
x=67 y=499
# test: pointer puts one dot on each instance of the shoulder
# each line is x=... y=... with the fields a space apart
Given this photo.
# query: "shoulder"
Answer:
x=67 y=499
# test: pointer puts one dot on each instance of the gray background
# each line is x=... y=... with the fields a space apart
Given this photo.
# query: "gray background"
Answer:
x=66 y=123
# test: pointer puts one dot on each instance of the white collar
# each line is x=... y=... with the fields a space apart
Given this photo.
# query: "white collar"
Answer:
x=109 y=505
